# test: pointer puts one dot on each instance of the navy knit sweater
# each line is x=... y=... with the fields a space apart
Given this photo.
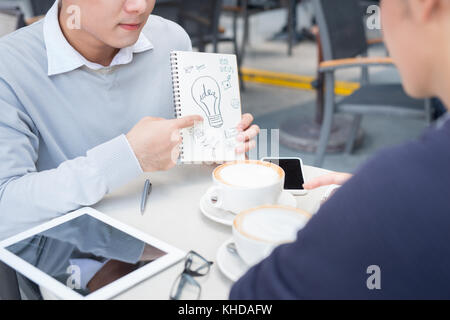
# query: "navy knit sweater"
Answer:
x=393 y=214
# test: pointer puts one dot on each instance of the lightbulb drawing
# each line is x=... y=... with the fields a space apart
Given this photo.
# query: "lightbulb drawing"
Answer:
x=206 y=93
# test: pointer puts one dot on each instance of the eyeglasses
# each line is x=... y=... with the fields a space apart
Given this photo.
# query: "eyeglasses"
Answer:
x=185 y=286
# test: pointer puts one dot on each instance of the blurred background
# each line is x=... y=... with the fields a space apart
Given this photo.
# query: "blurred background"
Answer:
x=314 y=73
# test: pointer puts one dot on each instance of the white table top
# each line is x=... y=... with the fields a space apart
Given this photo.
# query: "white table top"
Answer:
x=173 y=215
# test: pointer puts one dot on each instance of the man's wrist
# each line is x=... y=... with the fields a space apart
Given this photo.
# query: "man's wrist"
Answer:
x=116 y=162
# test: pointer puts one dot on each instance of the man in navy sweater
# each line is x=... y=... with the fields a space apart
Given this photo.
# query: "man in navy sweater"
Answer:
x=386 y=233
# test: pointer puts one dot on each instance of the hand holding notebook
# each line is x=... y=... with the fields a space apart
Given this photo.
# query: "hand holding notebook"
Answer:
x=208 y=85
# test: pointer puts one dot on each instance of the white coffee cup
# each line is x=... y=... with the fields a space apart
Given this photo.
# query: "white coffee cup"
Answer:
x=241 y=185
x=256 y=232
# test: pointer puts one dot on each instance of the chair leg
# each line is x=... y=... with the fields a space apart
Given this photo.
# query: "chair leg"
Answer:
x=245 y=37
x=327 y=120
x=353 y=134
x=235 y=36
x=236 y=51
x=246 y=29
x=241 y=80
x=365 y=76
x=291 y=26
x=201 y=46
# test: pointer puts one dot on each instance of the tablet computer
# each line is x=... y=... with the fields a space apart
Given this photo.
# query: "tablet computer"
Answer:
x=87 y=255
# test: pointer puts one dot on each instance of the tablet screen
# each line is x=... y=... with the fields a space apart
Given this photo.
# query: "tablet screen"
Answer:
x=85 y=254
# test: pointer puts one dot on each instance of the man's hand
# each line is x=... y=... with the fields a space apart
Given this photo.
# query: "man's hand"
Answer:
x=156 y=141
x=338 y=178
x=247 y=134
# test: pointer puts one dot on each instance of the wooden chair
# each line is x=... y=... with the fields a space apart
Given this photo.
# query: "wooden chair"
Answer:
x=344 y=45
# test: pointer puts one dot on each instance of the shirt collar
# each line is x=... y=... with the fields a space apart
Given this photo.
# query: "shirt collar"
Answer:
x=62 y=57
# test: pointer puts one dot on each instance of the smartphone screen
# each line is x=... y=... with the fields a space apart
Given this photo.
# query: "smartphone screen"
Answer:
x=294 y=176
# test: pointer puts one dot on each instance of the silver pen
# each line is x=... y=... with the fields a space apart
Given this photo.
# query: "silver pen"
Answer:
x=145 y=193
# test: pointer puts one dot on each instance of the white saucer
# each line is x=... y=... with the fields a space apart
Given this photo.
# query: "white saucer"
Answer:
x=227 y=217
x=230 y=264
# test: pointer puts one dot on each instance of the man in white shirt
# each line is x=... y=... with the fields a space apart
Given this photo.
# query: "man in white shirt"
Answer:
x=86 y=106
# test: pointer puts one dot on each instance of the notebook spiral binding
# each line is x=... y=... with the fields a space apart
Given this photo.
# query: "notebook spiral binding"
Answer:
x=176 y=92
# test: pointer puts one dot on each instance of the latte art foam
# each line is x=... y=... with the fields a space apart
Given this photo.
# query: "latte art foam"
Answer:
x=273 y=225
x=249 y=175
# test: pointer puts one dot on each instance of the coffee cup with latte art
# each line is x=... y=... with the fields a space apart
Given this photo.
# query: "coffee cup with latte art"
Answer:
x=242 y=185
x=256 y=232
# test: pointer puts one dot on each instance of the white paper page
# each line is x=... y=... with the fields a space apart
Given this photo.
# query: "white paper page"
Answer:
x=209 y=86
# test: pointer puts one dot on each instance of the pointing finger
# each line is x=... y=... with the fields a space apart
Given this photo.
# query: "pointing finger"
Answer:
x=187 y=122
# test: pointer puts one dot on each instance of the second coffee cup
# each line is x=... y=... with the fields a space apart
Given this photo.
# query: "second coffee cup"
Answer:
x=241 y=185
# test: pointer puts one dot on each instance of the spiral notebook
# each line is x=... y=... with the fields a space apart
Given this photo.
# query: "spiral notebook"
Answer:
x=207 y=84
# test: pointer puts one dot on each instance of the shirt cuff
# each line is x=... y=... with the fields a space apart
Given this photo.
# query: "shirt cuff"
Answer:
x=116 y=162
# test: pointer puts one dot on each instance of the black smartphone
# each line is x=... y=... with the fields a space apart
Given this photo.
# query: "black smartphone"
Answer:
x=293 y=167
